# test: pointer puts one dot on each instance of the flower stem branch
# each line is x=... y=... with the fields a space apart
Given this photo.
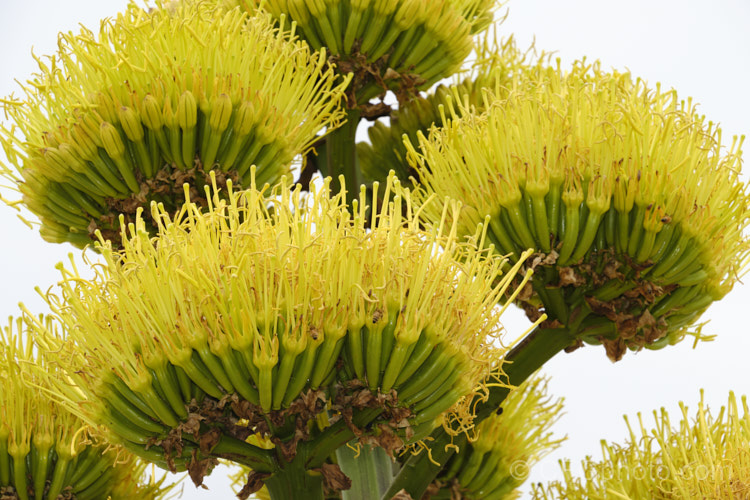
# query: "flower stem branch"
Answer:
x=238 y=451
x=294 y=482
x=341 y=154
x=336 y=436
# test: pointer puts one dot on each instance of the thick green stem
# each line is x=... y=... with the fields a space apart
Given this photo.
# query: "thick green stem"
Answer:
x=368 y=468
x=341 y=154
x=524 y=359
x=336 y=436
x=312 y=455
x=294 y=482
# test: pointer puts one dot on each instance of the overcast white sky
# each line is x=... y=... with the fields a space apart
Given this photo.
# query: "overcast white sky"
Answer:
x=697 y=47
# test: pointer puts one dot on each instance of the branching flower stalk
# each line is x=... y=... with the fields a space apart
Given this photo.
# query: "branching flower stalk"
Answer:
x=271 y=327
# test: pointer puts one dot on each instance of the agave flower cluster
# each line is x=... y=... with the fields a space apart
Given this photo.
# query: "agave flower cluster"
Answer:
x=608 y=181
x=47 y=452
x=507 y=445
x=273 y=301
x=400 y=45
x=232 y=316
x=705 y=456
x=120 y=118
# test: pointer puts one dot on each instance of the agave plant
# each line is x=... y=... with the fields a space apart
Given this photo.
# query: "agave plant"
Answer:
x=340 y=337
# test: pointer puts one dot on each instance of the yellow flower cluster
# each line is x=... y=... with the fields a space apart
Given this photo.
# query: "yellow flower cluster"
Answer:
x=508 y=444
x=45 y=451
x=631 y=199
x=267 y=295
x=158 y=98
x=706 y=456
x=427 y=39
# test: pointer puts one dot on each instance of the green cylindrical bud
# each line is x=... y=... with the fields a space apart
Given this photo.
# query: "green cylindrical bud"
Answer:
x=131 y=123
x=67 y=152
x=221 y=112
x=112 y=140
x=151 y=112
x=83 y=143
x=245 y=119
x=187 y=111
x=57 y=168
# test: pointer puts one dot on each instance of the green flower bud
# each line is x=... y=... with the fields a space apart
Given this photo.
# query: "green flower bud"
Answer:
x=131 y=123
x=151 y=113
x=187 y=111
x=221 y=113
x=112 y=140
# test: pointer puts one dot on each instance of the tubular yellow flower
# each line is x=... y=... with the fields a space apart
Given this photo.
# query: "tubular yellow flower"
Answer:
x=635 y=206
x=45 y=451
x=497 y=463
x=706 y=456
x=407 y=43
x=159 y=98
x=271 y=305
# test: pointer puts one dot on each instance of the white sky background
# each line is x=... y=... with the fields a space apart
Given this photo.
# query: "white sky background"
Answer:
x=697 y=47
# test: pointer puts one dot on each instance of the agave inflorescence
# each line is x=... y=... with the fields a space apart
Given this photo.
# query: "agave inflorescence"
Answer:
x=706 y=456
x=634 y=207
x=45 y=451
x=270 y=308
x=507 y=445
x=388 y=44
x=160 y=98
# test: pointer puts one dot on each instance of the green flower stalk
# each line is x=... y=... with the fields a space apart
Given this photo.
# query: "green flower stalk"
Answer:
x=158 y=98
x=507 y=445
x=632 y=202
x=47 y=452
x=495 y=67
x=276 y=315
x=399 y=45
x=705 y=456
